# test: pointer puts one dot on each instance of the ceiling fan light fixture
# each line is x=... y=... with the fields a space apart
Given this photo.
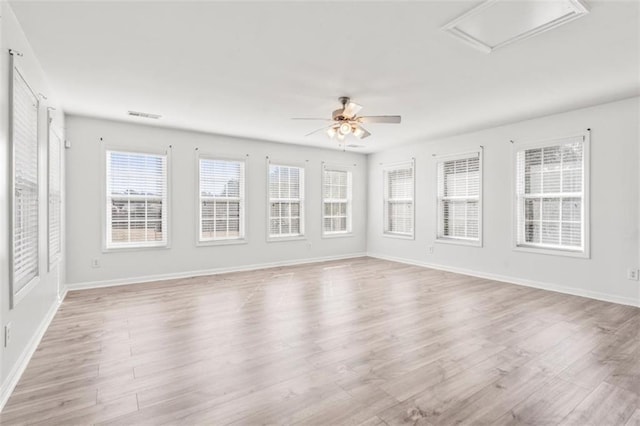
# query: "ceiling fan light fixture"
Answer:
x=358 y=132
x=345 y=128
x=331 y=131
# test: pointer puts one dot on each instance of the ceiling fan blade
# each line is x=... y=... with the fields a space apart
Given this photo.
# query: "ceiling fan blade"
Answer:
x=361 y=132
x=312 y=118
x=319 y=130
x=391 y=119
x=351 y=109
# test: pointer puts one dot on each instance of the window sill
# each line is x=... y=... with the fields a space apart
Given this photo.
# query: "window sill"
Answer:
x=292 y=238
x=398 y=236
x=22 y=293
x=130 y=249
x=338 y=235
x=552 y=252
x=459 y=242
x=228 y=242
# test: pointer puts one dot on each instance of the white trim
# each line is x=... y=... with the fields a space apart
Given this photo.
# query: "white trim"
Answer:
x=222 y=242
x=20 y=366
x=458 y=242
x=204 y=155
x=337 y=235
x=479 y=242
x=398 y=236
x=203 y=272
x=286 y=238
x=579 y=9
x=22 y=293
x=16 y=296
x=349 y=170
x=302 y=200
x=585 y=138
x=550 y=251
x=63 y=294
x=53 y=259
x=385 y=170
x=574 y=291
x=166 y=152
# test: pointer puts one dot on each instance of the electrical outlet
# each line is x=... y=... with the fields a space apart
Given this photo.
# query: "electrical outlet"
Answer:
x=633 y=274
x=430 y=249
x=95 y=263
x=7 y=334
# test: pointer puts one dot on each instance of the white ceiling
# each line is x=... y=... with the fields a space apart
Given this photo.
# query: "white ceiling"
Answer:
x=244 y=68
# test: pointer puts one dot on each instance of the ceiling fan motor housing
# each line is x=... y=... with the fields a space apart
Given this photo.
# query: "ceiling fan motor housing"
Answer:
x=337 y=115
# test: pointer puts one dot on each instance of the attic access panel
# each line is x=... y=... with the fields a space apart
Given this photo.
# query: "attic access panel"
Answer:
x=497 y=23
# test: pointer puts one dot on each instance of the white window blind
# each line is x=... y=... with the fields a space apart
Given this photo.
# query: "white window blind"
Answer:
x=136 y=200
x=459 y=183
x=550 y=193
x=286 y=201
x=24 y=135
x=398 y=199
x=55 y=196
x=336 y=201
x=221 y=200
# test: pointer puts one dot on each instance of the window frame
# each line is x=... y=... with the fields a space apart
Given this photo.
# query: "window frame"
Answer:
x=385 y=171
x=18 y=294
x=103 y=204
x=349 y=200
x=585 y=252
x=54 y=258
x=243 y=202
x=303 y=217
x=457 y=240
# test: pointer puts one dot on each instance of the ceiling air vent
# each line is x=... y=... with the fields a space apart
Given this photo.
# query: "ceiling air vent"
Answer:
x=497 y=23
x=144 y=115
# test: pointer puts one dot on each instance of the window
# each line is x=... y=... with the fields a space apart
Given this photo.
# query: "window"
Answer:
x=398 y=200
x=286 y=201
x=24 y=137
x=551 y=195
x=459 y=209
x=336 y=201
x=221 y=200
x=55 y=196
x=136 y=205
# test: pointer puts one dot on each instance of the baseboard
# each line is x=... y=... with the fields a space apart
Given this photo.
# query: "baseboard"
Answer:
x=21 y=364
x=61 y=297
x=514 y=280
x=203 y=272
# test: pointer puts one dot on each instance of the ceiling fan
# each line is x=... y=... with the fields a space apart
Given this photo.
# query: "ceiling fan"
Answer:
x=345 y=121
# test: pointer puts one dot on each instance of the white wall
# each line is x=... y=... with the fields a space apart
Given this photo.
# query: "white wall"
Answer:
x=84 y=195
x=614 y=205
x=31 y=315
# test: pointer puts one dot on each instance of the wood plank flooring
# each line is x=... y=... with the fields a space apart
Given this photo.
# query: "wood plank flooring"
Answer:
x=359 y=341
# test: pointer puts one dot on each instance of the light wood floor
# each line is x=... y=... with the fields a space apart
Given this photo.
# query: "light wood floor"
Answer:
x=360 y=341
